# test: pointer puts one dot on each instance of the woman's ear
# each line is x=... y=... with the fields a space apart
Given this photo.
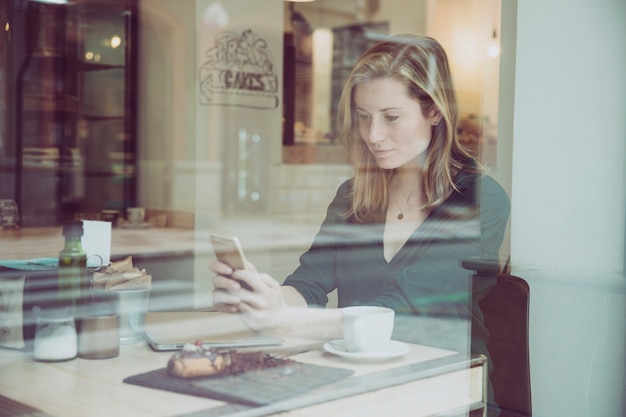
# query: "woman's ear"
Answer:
x=436 y=118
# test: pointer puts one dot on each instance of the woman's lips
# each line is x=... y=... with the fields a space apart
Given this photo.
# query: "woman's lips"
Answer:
x=381 y=153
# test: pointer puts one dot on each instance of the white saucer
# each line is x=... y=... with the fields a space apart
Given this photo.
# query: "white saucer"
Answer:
x=394 y=350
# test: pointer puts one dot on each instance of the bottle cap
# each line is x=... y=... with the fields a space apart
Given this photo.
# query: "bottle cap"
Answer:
x=73 y=228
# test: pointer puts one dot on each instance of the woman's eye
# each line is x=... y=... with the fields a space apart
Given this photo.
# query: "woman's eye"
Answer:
x=390 y=118
x=363 y=117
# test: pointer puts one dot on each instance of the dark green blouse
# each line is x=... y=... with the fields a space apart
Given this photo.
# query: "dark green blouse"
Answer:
x=425 y=276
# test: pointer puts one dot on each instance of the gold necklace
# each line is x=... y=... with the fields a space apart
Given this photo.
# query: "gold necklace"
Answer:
x=400 y=215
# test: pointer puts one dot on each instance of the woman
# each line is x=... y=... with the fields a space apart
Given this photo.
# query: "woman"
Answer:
x=396 y=233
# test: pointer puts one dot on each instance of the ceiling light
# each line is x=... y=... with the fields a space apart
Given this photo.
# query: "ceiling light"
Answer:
x=116 y=41
x=52 y=1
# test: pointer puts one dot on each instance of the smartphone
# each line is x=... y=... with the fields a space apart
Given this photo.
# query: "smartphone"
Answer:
x=228 y=250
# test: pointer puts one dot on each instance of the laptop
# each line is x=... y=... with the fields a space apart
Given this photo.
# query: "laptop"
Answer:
x=171 y=330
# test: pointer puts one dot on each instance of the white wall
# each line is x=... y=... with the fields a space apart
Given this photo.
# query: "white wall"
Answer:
x=465 y=29
x=568 y=201
x=166 y=119
x=403 y=16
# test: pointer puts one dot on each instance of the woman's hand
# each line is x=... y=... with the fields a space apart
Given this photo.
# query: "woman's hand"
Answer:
x=264 y=305
x=225 y=289
x=233 y=288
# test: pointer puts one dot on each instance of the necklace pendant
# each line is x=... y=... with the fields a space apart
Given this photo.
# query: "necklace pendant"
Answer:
x=400 y=216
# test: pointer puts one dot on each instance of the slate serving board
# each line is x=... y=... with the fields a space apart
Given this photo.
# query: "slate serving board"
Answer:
x=255 y=388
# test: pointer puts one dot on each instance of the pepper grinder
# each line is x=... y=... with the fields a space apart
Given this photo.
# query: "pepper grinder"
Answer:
x=99 y=335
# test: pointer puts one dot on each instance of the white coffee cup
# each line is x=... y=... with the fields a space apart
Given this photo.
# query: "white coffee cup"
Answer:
x=135 y=215
x=367 y=328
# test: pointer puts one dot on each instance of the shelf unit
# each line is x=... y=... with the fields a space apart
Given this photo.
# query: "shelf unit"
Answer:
x=107 y=75
x=72 y=74
x=47 y=168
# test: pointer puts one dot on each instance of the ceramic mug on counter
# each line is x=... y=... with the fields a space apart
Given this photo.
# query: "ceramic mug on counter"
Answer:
x=110 y=216
x=135 y=215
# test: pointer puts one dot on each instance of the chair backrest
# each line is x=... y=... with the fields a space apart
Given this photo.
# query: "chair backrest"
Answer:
x=506 y=308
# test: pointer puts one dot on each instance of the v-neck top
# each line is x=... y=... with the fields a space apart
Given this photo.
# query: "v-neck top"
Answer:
x=425 y=276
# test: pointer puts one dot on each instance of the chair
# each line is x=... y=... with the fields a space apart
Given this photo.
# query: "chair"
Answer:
x=505 y=309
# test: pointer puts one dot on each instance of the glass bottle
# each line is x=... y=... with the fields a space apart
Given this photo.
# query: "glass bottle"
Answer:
x=73 y=281
x=55 y=335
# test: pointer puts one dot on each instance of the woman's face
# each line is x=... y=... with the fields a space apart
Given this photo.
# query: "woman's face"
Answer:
x=391 y=123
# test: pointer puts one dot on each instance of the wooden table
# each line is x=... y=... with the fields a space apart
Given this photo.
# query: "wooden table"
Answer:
x=425 y=381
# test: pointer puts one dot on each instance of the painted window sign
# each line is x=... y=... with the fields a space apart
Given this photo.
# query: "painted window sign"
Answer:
x=239 y=71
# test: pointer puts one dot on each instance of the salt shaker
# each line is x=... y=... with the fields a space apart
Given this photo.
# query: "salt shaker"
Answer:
x=55 y=335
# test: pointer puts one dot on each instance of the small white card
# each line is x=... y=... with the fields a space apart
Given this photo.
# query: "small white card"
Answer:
x=96 y=242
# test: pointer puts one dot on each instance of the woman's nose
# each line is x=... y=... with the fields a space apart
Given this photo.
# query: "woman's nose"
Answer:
x=377 y=132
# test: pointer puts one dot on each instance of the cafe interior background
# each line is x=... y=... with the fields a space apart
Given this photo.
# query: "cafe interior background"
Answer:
x=542 y=94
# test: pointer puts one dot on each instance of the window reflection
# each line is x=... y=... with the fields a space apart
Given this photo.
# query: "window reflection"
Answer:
x=184 y=156
x=200 y=168
x=468 y=30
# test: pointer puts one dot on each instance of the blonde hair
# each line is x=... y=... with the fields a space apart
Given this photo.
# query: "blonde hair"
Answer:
x=421 y=64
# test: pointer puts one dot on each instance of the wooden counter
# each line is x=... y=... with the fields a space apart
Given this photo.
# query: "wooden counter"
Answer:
x=177 y=258
x=425 y=381
x=42 y=242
